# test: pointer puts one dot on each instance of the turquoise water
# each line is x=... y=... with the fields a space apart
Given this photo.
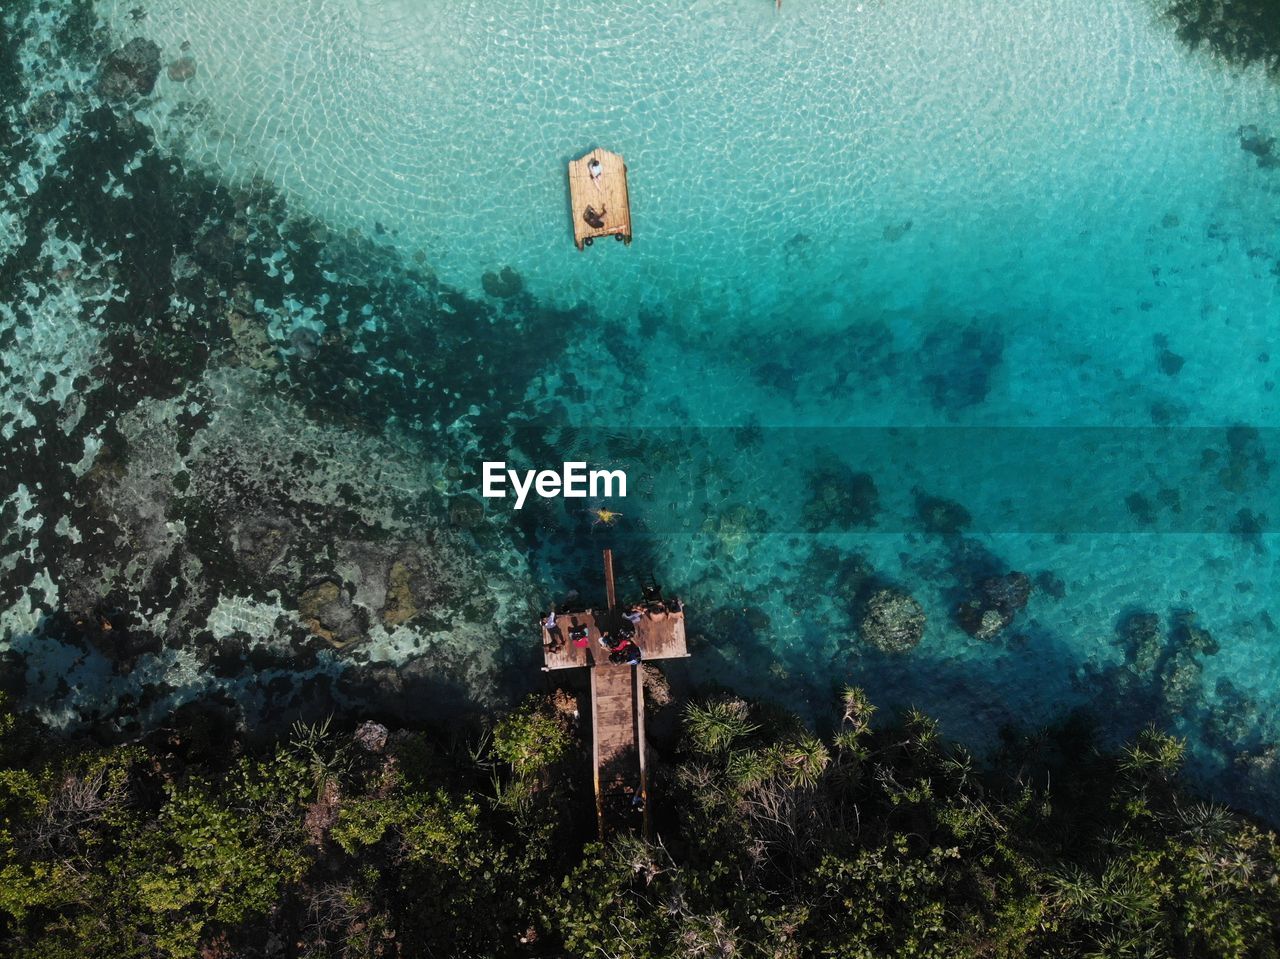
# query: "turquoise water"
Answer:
x=879 y=215
x=1036 y=150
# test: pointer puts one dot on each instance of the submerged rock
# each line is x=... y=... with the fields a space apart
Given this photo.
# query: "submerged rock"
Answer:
x=182 y=69
x=892 y=621
x=1261 y=146
x=261 y=543
x=305 y=342
x=1051 y=584
x=1170 y=362
x=840 y=499
x=853 y=575
x=939 y=515
x=327 y=611
x=130 y=71
x=896 y=231
x=400 y=607
x=251 y=344
x=504 y=284
x=46 y=112
x=998 y=601
x=1190 y=638
x=1139 y=633
x=465 y=512
x=960 y=364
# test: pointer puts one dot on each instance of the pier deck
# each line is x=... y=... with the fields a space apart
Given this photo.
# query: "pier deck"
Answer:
x=617 y=696
x=659 y=635
x=608 y=194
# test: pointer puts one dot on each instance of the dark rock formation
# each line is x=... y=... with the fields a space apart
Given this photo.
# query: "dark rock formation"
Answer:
x=1187 y=637
x=1140 y=635
x=1262 y=147
x=960 y=363
x=465 y=512
x=371 y=736
x=504 y=284
x=326 y=609
x=1170 y=363
x=46 y=112
x=998 y=600
x=130 y=71
x=400 y=606
x=938 y=515
x=1050 y=584
x=840 y=499
x=896 y=231
x=1239 y=31
x=1170 y=665
x=261 y=543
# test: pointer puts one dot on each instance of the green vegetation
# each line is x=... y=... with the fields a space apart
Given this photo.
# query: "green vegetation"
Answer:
x=773 y=842
x=1240 y=31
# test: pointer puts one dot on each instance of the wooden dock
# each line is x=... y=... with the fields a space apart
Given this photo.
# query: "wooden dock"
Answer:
x=605 y=195
x=618 y=756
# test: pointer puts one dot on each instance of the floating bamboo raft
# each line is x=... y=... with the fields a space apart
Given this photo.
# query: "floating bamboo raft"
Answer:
x=606 y=195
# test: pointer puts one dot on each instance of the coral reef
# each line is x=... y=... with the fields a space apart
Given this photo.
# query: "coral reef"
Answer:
x=840 y=499
x=892 y=621
x=130 y=71
x=939 y=515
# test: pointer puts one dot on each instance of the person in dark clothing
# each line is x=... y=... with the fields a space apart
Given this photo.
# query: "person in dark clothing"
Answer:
x=594 y=220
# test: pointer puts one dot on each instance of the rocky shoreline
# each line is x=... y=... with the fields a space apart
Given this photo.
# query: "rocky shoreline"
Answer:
x=217 y=481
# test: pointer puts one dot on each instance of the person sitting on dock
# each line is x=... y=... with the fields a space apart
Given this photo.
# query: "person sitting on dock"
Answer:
x=634 y=614
x=595 y=169
x=594 y=220
x=627 y=652
x=579 y=636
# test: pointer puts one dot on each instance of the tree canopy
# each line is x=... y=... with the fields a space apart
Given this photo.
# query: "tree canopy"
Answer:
x=771 y=841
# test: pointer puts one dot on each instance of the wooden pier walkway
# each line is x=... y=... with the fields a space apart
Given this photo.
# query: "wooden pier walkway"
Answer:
x=618 y=755
x=605 y=195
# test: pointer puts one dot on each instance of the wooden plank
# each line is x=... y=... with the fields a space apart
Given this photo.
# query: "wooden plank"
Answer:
x=637 y=683
x=610 y=592
x=607 y=195
x=595 y=757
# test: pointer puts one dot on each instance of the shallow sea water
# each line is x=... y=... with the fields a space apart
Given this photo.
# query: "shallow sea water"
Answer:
x=879 y=214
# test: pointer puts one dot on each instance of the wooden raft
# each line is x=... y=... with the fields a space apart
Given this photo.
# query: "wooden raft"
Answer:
x=617 y=700
x=608 y=193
